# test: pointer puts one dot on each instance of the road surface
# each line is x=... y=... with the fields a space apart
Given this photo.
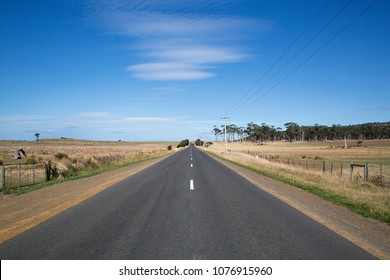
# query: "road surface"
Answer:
x=188 y=206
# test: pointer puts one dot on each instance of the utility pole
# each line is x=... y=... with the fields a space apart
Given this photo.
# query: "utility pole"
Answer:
x=225 y=118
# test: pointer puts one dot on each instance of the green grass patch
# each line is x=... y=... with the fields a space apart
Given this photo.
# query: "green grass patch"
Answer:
x=360 y=208
x=80 y=175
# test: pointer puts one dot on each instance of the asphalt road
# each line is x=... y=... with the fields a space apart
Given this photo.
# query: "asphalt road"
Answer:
x=159 y=214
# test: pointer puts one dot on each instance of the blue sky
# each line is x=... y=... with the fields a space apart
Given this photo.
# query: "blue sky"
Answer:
x=168 y=70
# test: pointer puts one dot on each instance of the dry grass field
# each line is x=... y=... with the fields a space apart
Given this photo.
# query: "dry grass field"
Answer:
x=69 y=156
x=360 y=196
x=368 y=151
x=78 y=150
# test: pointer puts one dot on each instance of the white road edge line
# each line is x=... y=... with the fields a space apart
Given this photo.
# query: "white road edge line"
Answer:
x=191 y=184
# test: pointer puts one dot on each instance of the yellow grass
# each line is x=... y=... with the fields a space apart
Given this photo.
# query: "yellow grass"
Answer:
x=376 y=198
x=69 y=156
x=376 y=150
x=78 y=150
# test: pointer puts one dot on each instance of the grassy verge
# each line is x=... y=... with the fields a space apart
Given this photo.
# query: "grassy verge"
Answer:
x=80 y=175
x=363 y=208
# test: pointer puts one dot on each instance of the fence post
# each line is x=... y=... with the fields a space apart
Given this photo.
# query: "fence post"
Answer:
x=341 y=171
x=351 y=170
x=323 y=167
x=20 y=175
x=48 y=169
x=331 y=168
x=2 y=177
x=33 y=173
x=381 y=174
x=366 y=171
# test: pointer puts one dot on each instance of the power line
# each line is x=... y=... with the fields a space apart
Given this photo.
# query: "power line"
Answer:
x=298 y=52
x=316 y=52
x=278 y=59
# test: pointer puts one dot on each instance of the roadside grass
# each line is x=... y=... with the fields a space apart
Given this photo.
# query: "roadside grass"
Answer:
x=360 y=197
x=80 y=175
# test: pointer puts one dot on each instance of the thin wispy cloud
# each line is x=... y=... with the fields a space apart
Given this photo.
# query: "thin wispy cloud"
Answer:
x=169 y=71
x=175 y=41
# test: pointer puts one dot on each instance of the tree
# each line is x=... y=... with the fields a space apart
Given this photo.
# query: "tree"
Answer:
x=252 y=130
x=37 y=135
x=198 y=142
x=183 y=143
x=292 y=131
x=217 y=132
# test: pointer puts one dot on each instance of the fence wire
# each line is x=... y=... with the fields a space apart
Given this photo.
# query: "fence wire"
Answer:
x=23 y=174
x=375 y=172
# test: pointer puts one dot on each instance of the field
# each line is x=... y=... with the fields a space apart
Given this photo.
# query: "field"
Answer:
x=77 y=150
x=68 y=157
x=367 y=151
x=274 y=159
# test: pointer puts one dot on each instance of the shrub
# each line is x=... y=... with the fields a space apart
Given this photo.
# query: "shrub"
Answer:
x=169 y=147
x=64 y=169
x=31 y=159
x=92 y=163
x=60 y=155
x=208 y=144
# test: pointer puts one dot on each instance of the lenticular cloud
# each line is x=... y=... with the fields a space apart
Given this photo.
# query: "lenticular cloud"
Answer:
x=175 y=43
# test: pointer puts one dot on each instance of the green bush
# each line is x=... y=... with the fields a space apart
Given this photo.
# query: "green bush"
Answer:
x=31 y=159
x=60 y=155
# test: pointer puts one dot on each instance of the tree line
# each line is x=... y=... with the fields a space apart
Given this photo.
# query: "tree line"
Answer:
x=295 y=132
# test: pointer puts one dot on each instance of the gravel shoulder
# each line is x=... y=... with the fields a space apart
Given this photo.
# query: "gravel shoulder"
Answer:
x=371 y=235
x=20 y=213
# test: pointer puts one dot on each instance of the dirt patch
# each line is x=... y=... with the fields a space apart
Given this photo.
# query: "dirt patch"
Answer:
x=371 y=235
x=20 y=213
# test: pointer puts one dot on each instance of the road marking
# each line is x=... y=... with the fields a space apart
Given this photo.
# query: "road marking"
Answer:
x=191 y=184
x=192 y=165
x=191 y=158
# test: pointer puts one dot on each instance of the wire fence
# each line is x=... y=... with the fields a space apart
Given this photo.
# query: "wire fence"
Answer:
x=24 y=174
x=375 y=172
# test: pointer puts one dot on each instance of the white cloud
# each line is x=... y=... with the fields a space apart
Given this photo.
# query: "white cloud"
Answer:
x=199 y=54
x=149 y=119
x=168 y=71
x=180 y=39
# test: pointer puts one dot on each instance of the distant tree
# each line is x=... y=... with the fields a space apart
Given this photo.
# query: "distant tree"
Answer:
x=183 y=143
x=217 y=132
x=292 y=131
x=37 y=135
x=198 y=142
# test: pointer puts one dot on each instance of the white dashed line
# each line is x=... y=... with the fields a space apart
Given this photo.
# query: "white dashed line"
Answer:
x=192 y=165
x=191 y=185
